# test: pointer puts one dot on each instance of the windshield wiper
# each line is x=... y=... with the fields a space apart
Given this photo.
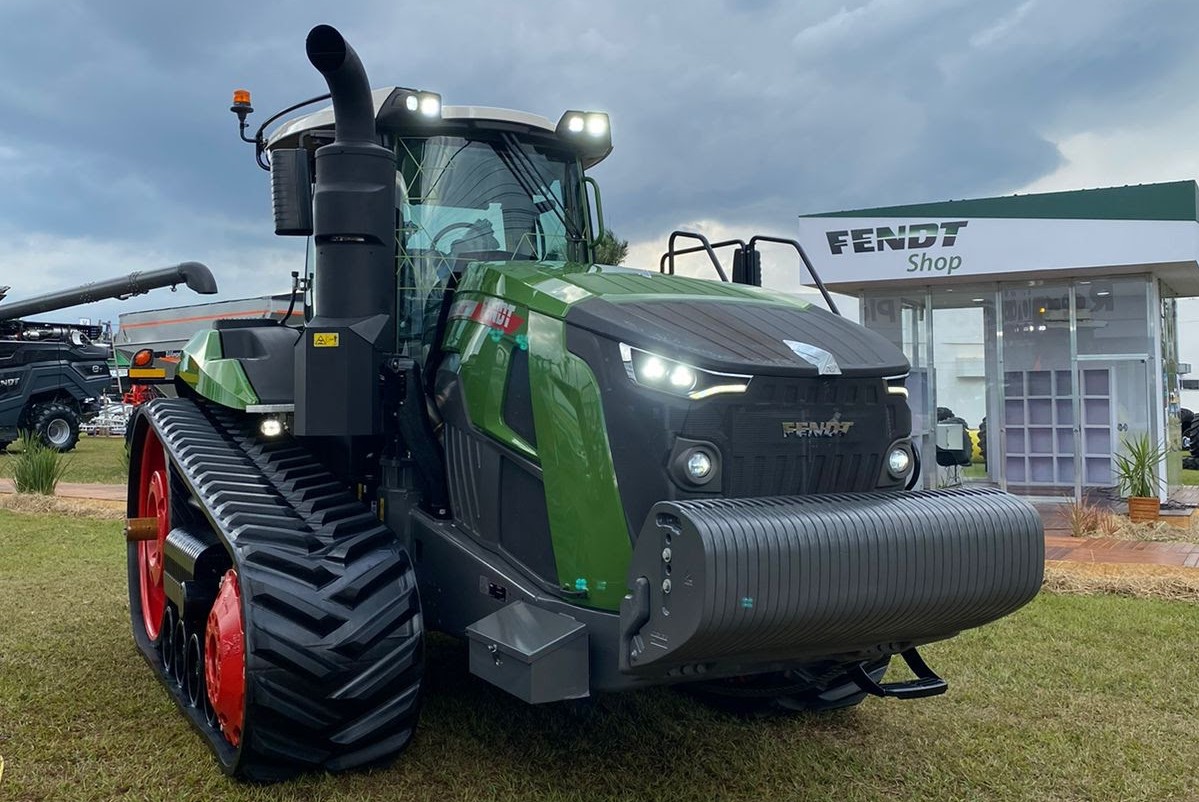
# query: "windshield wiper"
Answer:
x=521 y=161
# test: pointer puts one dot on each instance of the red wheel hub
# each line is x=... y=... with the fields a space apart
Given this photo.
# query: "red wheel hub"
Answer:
x=225 y=659
x=153 y=502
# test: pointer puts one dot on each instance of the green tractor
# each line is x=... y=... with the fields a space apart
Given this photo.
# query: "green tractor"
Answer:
x=602 y=478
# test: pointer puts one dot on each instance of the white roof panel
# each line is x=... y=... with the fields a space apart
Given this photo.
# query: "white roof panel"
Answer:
x=323 y=118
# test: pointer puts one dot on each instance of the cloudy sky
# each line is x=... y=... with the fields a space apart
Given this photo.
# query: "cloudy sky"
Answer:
x=119 y=153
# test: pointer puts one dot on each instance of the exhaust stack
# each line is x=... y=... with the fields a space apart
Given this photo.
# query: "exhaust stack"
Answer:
x=354 y=225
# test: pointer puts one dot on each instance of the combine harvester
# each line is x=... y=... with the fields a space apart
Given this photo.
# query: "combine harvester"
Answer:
x=603 y=478
x=53 y=376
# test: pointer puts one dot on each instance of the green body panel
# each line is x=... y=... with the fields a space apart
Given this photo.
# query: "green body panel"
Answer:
x=551 y=288
x=587 y=523
x=586 y=519
x=203 y=367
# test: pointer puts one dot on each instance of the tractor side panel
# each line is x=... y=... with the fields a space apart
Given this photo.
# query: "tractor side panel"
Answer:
x=204 y=367
x=525 y=393
x=587 y=522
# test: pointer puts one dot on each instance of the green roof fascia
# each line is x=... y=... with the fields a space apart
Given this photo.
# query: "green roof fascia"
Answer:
x=1174 y=200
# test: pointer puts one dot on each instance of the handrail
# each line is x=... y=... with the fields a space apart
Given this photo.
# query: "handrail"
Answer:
x=704 y=246
x=828 y=299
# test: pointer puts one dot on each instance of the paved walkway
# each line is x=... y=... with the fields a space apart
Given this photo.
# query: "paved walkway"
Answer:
x=78 y=490
x=1059 y=545
x=1126 y=552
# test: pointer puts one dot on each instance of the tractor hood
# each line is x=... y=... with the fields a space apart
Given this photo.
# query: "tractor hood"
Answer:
x=715 y=325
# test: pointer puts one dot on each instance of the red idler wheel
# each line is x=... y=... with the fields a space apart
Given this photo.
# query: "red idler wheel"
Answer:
x=153 y=502
x=225 y=659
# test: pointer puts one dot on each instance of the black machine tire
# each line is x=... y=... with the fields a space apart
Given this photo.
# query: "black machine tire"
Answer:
x=333 y=633
x=55 y=424
x=784 y=692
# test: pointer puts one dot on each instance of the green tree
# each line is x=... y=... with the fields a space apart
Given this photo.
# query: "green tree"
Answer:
x=610 y=249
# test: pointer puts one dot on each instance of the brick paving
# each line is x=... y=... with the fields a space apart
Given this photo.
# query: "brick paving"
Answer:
x=1060 y=545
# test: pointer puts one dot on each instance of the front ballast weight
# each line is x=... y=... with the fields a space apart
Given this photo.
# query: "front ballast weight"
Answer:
x=725 y=582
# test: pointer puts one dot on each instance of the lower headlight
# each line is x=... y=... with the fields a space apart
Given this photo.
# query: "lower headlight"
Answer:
x=899 y=462
x=699 y=465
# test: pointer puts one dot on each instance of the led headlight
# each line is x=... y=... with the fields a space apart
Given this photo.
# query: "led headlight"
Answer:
x=677 y=378
x=899 y=462
x=895 y=385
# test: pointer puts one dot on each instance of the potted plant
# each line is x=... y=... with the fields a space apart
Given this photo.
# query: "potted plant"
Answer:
x=1136 y=468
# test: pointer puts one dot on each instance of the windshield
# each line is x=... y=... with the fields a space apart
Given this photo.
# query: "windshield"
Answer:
x=464 y=200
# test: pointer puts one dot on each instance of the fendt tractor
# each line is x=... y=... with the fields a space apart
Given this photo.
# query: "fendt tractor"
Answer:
x=601 y=478
x=53 y=375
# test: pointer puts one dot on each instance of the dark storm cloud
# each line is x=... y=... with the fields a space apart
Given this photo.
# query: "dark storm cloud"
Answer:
x=116 y=143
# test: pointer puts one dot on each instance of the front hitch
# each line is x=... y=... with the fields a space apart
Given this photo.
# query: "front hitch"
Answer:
x=926 y=683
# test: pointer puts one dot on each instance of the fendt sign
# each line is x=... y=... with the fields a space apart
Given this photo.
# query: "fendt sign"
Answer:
x=909 y=237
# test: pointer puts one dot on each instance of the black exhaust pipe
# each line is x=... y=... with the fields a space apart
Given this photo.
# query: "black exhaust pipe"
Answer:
x=354 y=229
x=353 y=109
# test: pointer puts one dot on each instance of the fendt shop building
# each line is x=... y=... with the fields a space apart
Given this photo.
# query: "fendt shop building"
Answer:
x=1048 y=322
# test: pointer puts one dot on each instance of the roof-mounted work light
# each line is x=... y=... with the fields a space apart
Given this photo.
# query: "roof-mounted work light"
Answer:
x=584 y=123
x=587 y=131
x=406 y=107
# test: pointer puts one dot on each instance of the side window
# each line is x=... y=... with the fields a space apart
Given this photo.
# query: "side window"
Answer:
x=552 y=231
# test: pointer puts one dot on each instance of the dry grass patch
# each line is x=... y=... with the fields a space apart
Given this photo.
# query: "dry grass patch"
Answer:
x=35 y=504
x=1093 y=520
x=1164 y=582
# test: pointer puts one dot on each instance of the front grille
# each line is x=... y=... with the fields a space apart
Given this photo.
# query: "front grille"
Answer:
x=761 y=461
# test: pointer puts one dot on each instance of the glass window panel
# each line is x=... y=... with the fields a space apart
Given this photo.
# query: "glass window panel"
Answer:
x=1113 y=316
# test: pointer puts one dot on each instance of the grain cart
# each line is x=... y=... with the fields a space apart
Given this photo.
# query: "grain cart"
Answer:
x=52 y=375
x=602 y=478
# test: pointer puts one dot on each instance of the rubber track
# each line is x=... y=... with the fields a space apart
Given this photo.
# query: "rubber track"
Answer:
x=334 y=633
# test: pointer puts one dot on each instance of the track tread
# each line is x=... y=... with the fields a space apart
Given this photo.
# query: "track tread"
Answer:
x=334 y=631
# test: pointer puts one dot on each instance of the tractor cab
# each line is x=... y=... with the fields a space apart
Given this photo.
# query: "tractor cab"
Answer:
x=473 y=184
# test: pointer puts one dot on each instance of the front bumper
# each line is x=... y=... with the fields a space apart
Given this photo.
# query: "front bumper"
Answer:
x=807 y=578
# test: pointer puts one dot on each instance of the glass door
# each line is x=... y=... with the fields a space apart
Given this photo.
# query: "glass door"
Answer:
x=964 y=357
x=1114 y=406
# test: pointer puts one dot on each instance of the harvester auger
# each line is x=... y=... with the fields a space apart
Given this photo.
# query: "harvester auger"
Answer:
x=53 y=376
x=603 y=478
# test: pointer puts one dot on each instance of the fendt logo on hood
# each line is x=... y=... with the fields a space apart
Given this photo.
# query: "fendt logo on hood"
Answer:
x=909 y=237
x=808 y=428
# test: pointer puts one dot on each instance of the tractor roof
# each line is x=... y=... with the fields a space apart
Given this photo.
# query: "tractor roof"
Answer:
x=288 y=133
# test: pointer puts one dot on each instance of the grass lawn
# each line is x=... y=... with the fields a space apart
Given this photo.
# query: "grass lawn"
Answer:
x=94 y=460
x=1072 y=698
